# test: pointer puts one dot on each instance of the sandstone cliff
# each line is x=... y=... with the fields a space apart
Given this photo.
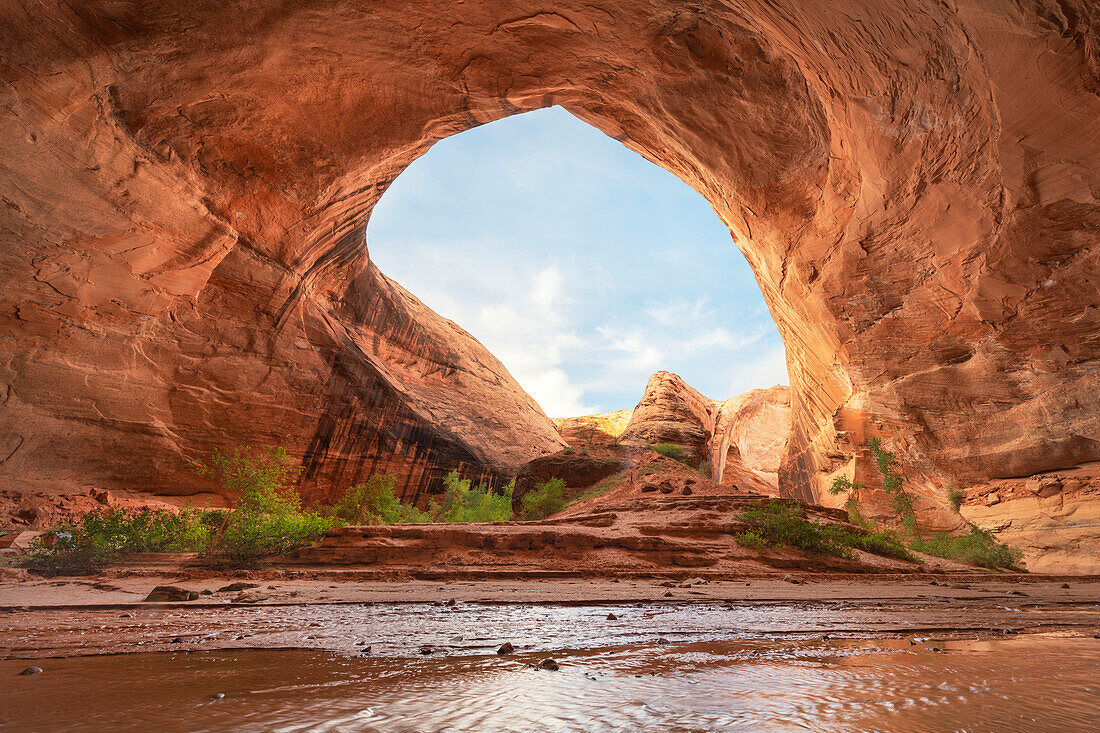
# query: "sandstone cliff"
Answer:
x=738 y=442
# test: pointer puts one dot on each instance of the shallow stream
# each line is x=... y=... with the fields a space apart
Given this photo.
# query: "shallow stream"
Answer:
x=659 y=668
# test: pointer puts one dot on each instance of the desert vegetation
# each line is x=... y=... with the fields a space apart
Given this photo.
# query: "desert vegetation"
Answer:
x=545 y=499
x=670 y=450
x=266 y=518
x=978 y=547
x=782 y=523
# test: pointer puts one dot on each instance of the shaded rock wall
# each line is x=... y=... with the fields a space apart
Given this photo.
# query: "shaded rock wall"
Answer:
x=185 y=188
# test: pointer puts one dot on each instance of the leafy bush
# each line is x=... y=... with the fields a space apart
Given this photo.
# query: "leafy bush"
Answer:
x=107 y=535
x=842 y=485
x=461 y=503
x=249 y=537
x=977 y=548
x=267 y=517
x=374 y=502
x=753 y=541
x=892 y=485
x=569 y=450
x=546 y=499
x=670 y=450
x=882 y=542
x=956 y=497
x=704 y=469
x=782 y=523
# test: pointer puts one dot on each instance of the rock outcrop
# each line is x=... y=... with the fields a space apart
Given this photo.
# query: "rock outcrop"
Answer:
x=578 y=471
x=185 y=188
x=738 y=441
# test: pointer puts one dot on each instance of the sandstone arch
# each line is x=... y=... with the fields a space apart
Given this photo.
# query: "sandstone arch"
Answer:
x=186 y=186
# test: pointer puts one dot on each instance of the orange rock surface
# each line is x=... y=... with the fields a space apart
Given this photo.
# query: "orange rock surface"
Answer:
x=185 y=188
x=739 y=442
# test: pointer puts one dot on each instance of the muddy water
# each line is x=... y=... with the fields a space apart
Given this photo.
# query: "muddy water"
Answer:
x=656 y=667
x=1018 y=684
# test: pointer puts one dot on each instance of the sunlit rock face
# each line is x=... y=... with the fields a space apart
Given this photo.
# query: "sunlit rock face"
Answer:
x=186 y=186
x=739 y=442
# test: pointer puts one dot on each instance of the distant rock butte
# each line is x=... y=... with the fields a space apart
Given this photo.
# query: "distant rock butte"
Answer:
x=740 y=440
x=185 y=190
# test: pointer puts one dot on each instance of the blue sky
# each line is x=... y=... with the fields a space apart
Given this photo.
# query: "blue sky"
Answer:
x=582 y=266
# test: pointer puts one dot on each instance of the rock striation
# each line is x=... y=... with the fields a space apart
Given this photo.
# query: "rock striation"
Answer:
x=185 y=188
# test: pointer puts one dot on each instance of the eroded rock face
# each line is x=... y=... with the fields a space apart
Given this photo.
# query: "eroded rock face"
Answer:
x=738 y=442
x=186 y=186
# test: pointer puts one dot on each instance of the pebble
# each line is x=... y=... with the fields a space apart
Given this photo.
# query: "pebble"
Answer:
x=30 y=670
x=217 y=696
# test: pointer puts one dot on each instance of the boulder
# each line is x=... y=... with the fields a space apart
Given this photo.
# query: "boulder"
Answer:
x=163 y=593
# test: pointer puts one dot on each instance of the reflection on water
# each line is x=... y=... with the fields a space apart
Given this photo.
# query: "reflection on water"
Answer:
x=770 y=682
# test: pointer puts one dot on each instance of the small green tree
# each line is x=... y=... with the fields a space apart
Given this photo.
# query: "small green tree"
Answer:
x=892 y=484
x=956 y=497
x=373 y=502
x=545 y=499
x=267 y=517
x=462 y=503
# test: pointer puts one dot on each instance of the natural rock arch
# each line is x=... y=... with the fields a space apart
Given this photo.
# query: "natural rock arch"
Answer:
x=186 y=187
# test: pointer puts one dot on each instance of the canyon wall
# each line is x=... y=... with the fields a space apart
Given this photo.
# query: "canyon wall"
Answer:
x=185 y=188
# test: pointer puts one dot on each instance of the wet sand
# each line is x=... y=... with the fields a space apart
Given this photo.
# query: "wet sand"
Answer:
x=69 y=617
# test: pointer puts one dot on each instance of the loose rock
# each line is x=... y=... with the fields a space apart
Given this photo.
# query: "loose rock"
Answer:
x=30 y=670
x=164 y=593
x=235 y=587
x=506 y=648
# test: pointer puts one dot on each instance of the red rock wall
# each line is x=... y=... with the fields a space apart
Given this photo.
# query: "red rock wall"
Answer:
x=185 y=187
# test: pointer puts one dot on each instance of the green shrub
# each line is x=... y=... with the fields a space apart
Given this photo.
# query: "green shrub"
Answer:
x=267 y=517
x=545 y=499
x=461 y=503
x=882 y=542
x=956 y=497
x=704 y=469
x=569 y=450
x=373 y=502
x=753 y=541
x=107 y=535
x=670 y=450
x=977 y=548
x=782 y=523
x=254 y=479
x=249 y=537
